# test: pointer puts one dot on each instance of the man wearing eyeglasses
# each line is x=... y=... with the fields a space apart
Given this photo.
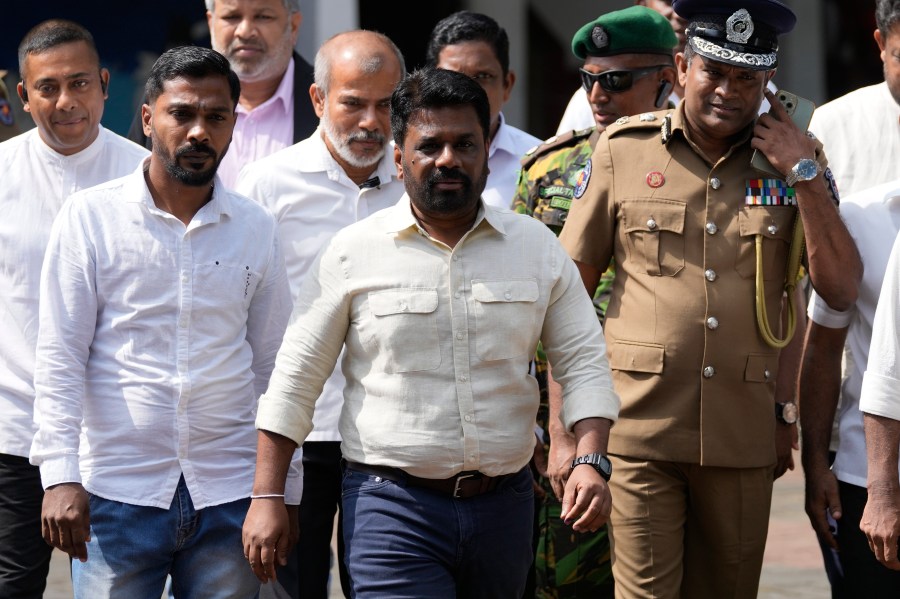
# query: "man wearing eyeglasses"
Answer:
x=628 y=69
x=701 y=241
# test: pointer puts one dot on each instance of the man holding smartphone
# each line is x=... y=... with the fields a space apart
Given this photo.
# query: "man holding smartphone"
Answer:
x=674 y=198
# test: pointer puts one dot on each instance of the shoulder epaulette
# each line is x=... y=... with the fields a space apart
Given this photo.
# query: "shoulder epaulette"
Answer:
x=563 y=140
x=646 y=120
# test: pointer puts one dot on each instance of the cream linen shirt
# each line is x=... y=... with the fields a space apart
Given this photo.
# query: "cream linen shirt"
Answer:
x=34 y=181
x=155 y=340
x=438 y=342
x=312 y=198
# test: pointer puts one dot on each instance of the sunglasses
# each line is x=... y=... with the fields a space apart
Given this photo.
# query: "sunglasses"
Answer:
x=615 y=81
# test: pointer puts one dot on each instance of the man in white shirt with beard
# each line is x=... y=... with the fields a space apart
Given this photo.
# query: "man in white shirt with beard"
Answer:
x=64 y=89
x=340 y=174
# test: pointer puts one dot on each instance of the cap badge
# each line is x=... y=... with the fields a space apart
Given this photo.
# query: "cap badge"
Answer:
x=739 y=27
x=599 y=37
x=655 y=179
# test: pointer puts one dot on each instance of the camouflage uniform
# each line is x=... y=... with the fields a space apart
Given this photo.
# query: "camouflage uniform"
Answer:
x=567 y=564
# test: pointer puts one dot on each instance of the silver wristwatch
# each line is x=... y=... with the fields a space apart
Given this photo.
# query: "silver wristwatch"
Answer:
x=806 y=169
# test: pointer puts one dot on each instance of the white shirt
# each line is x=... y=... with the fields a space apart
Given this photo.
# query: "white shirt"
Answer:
x=262 y=131
x=437 y=343
x=34 y=181
x=312 y=198
x=859 y=131
x=873 y=219
x=881 y=383
x=160 y=336
x=504 y=161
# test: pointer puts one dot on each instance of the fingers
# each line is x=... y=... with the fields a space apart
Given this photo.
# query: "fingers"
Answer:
x=587 y=503
x=65 y=519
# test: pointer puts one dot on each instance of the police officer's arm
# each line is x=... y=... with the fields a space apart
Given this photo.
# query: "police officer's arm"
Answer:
x=786 y=384
x=590 y=276
x=834 y=265
x=820 y=384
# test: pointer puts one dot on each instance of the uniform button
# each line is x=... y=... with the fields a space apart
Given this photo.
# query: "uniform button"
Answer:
x=767 y=374
x=711 y=228
x=715 y=183
x=709 y=372
x=712 y=323
x=651 y=224
x=710 y=275
x=772 y=229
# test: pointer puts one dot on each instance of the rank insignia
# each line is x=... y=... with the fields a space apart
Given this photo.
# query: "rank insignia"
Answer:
x=655 y=179
x=621 y=120
x=647 y=117
x=584 y=177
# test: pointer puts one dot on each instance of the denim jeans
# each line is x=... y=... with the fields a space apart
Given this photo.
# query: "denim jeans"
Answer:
x=133 y=548
x=411 y=542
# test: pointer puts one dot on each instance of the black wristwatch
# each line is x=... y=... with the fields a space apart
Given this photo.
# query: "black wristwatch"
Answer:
x=786 y=412
x=597 y=461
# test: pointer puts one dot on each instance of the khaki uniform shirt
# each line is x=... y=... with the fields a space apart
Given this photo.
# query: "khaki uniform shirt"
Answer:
x=694 y=375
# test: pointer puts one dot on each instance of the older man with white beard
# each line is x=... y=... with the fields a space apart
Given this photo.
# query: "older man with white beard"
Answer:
x=340 y=174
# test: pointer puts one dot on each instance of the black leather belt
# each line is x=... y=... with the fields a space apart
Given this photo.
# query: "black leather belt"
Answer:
x=462 y=486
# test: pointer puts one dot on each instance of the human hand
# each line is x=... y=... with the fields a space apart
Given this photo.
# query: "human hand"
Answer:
x=586 y=503
x=779 y=138
x=268 y=534
x=822 y=496
x=786 y=441
x=65 y=519
x=881 y=522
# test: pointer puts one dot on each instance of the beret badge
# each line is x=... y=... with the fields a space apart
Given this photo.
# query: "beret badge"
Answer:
x=739 y=27
x=599 y=37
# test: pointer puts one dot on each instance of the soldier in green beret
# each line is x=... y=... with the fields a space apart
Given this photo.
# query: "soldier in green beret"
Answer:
x=628 y=70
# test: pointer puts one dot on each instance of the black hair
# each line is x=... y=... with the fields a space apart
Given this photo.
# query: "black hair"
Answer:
x=468 y=26
x=51 y=33
x=429 y=87
x=192 y=62
x=887 y=14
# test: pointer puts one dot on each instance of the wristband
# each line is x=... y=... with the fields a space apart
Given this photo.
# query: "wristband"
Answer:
x=267 y=496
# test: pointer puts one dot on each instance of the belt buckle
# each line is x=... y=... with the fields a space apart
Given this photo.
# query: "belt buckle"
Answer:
x=460 y=478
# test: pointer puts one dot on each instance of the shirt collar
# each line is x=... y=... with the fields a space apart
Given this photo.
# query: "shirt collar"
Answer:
x=400 y=217
x=283 y=96
x=678 y=124
x=85 y=155
x=221 y=203
x=503 y=141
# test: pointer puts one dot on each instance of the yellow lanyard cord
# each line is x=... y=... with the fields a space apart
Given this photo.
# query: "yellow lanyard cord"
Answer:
x=790 y=282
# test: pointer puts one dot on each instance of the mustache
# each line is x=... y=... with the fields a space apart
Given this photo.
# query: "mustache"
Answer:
x=199 y=148
x=366 y=136
x=443 y=175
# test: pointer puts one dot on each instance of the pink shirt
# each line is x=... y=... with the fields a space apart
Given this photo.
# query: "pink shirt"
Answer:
x=262 y=131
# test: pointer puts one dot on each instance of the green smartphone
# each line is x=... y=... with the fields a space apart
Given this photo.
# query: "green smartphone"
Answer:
x=800 y=111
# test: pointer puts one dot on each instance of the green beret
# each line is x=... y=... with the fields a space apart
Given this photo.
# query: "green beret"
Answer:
x=633 y=30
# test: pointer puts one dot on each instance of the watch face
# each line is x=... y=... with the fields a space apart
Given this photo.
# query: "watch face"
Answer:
x=788 y=412
x=807 y=169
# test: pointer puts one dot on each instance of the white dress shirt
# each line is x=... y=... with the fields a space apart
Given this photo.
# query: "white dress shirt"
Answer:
x=881 y=383
x=873 y=219
x=437 y=343
x=504 y=161
x=262 y=131
x=859 y=131
x=34 y=181
x=312 y=198
x=160 y=336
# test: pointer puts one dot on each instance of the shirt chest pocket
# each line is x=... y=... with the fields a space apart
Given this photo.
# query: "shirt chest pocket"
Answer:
x=505 y=318
x=405 y=334
x=775 y=225
x=654 y=236
x=218 y=284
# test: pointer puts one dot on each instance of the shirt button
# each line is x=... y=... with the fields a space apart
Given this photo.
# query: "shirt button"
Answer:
x=459 y=336
x=403 y=306
x=711 y=228
x=710 y=275
x=455 y=258
x=468 y=418
x=463 y=379
x=709 y=372
x=715 y=183
x=651 y=224
x=772 y=229
x=457 y=295
x=507 y=295
x=712 y=323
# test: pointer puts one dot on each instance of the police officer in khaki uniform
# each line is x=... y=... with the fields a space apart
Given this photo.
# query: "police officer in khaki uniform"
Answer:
x=628 y=69
x=8 y=126
x=697 y=234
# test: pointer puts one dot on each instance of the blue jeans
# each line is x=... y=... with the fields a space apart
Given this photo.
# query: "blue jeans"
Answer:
x=404 y=541
x=133 y=548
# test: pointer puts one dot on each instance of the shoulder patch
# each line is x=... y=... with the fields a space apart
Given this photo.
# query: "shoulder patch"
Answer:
x=583 y=178
x=563 y=140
